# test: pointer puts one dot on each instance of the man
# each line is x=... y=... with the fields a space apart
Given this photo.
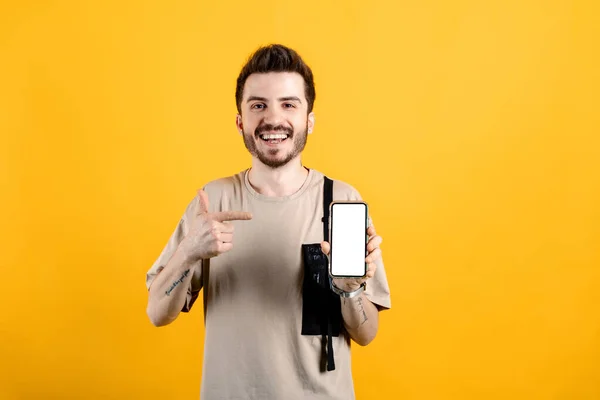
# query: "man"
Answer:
x=242 y=239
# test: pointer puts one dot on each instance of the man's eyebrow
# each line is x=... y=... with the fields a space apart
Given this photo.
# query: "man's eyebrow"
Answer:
x=290 y=98
x=287 y=98
x=252 y=98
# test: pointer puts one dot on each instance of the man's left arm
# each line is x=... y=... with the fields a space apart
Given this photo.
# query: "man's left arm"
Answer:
x=360 y=315
x=361 y=319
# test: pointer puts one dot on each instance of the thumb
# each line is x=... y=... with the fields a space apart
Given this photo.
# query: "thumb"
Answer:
x=202 y=202
x=325 y=247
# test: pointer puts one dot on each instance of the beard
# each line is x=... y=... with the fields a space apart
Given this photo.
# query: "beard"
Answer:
x=269 y=157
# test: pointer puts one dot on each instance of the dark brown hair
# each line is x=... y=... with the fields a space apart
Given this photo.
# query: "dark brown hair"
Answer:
x=276 y=58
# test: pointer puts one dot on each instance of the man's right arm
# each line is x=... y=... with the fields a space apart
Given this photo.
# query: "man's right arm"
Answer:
x=168 y=292
x=210 y=234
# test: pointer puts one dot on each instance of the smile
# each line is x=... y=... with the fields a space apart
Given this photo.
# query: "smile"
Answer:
x=273 y=138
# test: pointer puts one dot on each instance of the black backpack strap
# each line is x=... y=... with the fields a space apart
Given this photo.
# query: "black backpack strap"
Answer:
x=327 y=199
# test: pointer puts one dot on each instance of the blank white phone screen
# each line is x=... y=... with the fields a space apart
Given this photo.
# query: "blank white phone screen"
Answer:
x=348 y=239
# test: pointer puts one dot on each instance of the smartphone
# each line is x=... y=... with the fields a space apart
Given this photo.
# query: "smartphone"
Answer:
x=348 y=238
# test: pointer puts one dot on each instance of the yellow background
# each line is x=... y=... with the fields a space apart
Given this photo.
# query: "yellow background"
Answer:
x=471 y=128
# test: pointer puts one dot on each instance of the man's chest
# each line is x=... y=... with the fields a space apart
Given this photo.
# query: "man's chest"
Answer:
x=267 y=250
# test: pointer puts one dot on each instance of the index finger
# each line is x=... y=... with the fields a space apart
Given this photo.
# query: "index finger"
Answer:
x=232 y=216
x=202 y=202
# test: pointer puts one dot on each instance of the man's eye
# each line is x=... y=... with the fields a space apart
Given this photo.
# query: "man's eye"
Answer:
x=289 y=105
x=258 y=106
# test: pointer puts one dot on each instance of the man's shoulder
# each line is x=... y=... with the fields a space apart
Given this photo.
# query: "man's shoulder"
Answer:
x=216 y=189
x=222 y=185
x=342 y=190
x=346 y=190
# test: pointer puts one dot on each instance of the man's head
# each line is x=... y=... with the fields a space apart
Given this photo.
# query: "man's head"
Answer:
x=275 y=94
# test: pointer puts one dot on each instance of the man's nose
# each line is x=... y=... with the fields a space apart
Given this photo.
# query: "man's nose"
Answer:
x=273 y=116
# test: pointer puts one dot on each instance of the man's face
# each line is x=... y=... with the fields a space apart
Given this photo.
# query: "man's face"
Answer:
x=274 y=120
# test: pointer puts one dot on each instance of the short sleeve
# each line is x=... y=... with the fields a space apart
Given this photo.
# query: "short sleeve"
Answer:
x=378 y=290
x=168 y=251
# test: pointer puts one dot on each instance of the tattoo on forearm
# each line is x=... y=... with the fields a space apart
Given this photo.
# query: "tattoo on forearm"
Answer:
x=362 y=309
x=177 y=282
x=359 y=306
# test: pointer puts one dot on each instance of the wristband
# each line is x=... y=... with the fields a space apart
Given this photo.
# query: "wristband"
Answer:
x=348 y=295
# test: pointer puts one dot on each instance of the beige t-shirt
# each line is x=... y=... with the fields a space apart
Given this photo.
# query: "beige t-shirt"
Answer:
x=253 y=346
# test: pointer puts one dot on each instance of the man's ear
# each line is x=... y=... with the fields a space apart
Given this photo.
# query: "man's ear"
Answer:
x=311 y=122
x=238 y=124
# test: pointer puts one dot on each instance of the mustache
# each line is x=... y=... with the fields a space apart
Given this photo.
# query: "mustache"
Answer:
x=273 y=128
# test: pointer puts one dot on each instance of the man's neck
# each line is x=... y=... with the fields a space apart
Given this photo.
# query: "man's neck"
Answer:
x=279 y=182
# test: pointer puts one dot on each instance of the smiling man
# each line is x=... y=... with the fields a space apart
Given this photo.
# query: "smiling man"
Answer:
x=268 y=135
x=273 y=331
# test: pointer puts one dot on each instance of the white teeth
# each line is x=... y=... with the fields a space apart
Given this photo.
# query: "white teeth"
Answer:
x=274 y=136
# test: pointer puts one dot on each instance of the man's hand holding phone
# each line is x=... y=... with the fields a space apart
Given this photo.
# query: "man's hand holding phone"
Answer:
x=374 y=254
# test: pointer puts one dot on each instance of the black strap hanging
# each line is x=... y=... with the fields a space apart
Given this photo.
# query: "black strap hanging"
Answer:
x=327 y=199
